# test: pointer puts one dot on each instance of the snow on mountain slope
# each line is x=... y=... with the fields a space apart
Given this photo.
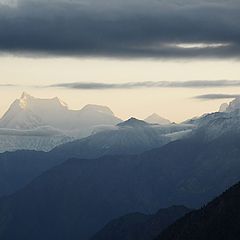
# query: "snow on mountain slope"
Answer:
x=23 y=125
x=18 y=117
x=178 y=135
x=234 y=105
x=29 y=112
x=155 y=118
x=130 y=137
x=38 y=139
x=223 y=107
x=215 y=124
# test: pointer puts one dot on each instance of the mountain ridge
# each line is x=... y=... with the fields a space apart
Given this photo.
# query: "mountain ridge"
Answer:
x=138 y=226
x=218 y=220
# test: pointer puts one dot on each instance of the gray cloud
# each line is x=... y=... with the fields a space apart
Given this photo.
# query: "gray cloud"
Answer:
x=217 y=96
x=146 y=84
x=149 y=84
x=127 y=28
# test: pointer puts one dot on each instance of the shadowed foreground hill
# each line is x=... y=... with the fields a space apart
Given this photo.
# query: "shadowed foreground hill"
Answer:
x=138 y=226
x=219 y=220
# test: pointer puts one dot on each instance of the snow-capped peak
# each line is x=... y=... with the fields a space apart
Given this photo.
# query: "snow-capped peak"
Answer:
x=29 y=112
x=234 y=105
x=25 y=95
x=23 y=101
x=156 y=119
x=61 y=102
x=26 y=100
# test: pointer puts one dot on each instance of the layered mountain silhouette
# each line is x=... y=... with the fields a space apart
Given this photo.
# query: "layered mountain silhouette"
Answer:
x=219 y=220
x=130 y=137
x=78 y=197
x=42 y=124
x=74 y=199
x=66 y=203
x=138 y=226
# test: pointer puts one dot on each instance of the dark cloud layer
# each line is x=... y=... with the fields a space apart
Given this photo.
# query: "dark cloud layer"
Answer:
x=217 y=96
x=149 y=84
x=111 y=28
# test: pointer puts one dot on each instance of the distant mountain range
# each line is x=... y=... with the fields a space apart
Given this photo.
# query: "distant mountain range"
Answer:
x=29 y=112
x=42 y=124
x=25 y=123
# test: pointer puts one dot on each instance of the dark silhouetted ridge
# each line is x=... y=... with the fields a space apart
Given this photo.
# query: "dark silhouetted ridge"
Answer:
x=219 y=220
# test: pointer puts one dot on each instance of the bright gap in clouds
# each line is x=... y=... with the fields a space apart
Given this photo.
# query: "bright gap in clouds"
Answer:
x=200 y=45
x=186 y=46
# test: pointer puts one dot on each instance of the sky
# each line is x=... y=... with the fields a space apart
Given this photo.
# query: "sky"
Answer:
x=178 y=58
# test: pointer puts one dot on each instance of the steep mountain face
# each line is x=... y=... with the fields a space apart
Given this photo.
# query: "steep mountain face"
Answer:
x=156 y=119
x=138 y=226
x=29 y=112
x=77 y=198
x=223 y=107
x=219 y=220
x=19 y=118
